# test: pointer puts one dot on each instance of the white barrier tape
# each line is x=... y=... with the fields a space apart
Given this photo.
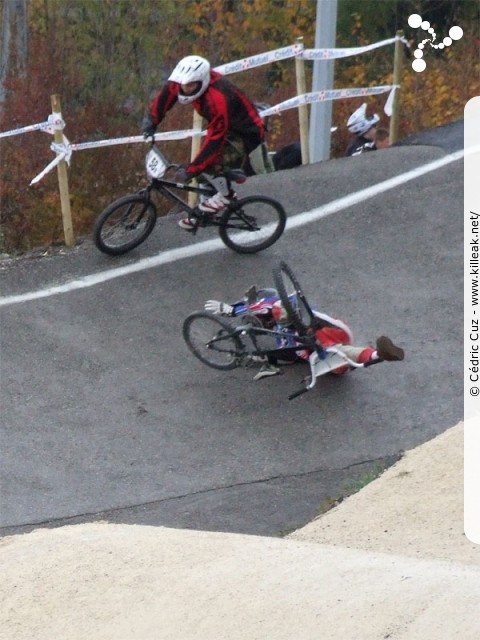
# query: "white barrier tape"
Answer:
x=297 y=50
x=388 y=108
x=167 y=135
x=263 y=58
x=331 y=54
x=32 y=127
x=323 y=96
x=48 y=168
x=54 y=123
x=65 y=149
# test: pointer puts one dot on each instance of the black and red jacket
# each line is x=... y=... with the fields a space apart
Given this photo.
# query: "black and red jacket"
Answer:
x=226 y=110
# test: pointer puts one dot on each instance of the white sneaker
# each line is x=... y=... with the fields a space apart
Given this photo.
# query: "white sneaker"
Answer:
x=267 y=370
x=215 y=204
x=186 y=223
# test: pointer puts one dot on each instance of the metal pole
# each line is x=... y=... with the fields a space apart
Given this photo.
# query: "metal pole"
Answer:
x=397 y=79
x=303 y=108
x=321 y=112
x=63 y=181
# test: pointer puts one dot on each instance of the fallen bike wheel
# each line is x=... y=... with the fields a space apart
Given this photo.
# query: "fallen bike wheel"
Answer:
x=293 y=299
x=210 y=339
x=124 y=224
x=252 y=224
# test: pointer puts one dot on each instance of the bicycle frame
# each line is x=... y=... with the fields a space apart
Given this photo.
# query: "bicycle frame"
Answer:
x=278 y=352
x=157 y=166
x=321 y=360
x=165 y=188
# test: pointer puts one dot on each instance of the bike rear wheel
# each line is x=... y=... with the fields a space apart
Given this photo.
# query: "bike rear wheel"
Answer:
x=252 y=224
x=293 y=299
x=210 y=339
x=124 y=224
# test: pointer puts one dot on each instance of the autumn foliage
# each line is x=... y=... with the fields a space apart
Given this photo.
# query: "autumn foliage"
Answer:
x=106 y=59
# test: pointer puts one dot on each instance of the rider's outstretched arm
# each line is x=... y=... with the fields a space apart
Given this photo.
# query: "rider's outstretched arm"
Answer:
x=219 y=308
x=225 y=309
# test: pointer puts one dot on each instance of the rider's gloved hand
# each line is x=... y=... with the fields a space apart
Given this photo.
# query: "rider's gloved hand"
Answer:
x=148 y=129
x=219 y=308
x=181 y=175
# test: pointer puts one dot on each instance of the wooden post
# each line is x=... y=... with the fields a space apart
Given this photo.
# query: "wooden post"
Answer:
x=63 y=180
x=196 y=144
x=397 y=79
x=303 y=108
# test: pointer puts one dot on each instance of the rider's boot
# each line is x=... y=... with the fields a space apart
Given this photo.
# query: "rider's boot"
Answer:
x=386 y=350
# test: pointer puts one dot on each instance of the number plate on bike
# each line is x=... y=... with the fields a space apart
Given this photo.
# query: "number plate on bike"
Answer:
x=155 y=164
x=330 y=363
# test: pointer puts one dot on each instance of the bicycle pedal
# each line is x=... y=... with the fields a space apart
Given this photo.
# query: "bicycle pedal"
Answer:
x=199 y=218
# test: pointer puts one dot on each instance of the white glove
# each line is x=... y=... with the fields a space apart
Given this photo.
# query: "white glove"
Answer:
x=219 y=308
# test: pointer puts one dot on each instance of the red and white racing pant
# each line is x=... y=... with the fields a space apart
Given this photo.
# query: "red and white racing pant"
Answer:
x=340 y=335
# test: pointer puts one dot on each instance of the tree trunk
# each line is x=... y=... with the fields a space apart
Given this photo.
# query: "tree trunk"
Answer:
x=5 y=46
x=14 y=18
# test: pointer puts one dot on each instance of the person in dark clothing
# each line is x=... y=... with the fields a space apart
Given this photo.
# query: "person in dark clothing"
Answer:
x=233 y=125
x=364 y=128
x=288 y=157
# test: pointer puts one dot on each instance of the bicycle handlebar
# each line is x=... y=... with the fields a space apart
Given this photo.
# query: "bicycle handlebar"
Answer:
x=298 y=393
x=321 y=354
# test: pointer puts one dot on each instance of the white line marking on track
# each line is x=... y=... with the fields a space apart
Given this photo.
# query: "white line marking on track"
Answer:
x=208 y=246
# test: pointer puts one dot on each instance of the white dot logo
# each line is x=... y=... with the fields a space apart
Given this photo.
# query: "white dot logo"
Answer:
x=416 y=21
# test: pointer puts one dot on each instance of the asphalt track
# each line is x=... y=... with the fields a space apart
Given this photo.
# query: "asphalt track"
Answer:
x=105 y=415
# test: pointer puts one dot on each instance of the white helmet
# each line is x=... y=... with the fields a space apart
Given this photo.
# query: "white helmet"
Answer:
x=191 y=69
x=358 y=123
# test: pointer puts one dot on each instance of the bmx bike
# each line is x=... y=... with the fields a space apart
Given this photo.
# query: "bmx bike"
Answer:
x=222 y=343
x=246 y=225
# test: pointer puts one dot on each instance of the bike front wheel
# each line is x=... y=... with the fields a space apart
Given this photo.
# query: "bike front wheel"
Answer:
x=124 y=224
x=296 y=305
x=210 y=339
x=252 y=224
